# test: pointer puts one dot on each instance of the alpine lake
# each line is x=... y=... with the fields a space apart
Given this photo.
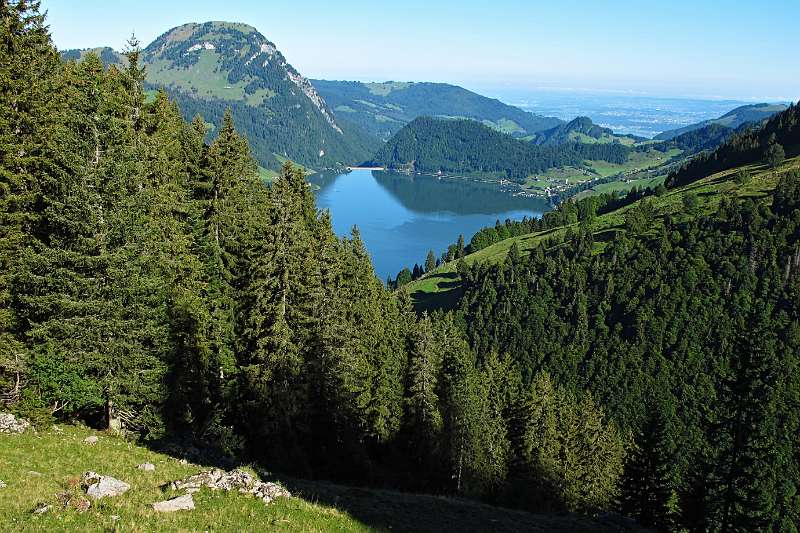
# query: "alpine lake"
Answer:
x=400 y=216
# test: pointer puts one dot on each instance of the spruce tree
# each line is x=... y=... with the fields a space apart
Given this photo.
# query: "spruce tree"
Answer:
x=430 y=262
x=742 y=489
x=30 y=111
x=424 y=416
x=649 y=483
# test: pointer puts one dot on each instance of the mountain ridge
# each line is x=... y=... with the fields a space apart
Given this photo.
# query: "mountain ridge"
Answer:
x=211 y=66
x=384 y=108
x=732 y=119
x=581 y=129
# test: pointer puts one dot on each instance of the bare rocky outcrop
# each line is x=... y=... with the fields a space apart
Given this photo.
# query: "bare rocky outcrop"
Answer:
x=238 y=480
x=10 y=424
x=311 y=93
x=98 y=486
x=179 y=503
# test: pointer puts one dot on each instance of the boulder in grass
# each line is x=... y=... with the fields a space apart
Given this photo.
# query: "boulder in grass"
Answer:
x=98 y=486
x=147 y=467
x=11 y=424
x=91 y=440
x=180 y=503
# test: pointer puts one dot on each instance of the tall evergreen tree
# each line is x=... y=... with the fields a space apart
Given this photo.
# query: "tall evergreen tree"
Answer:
x=30 y=110
x=742 y=492
x=649 y=485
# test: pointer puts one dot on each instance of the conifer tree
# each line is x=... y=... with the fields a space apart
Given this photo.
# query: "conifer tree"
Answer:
x=430 y=262
x=30 y=109
x=422 y=403
x=742 y=488
x=461 y=412
x=649 y=484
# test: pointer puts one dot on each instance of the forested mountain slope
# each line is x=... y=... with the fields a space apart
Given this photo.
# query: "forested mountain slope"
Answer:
x=641 y=358
x=680 y=310
x=466 y=146
x=152 y=285
x=210 y=67
x=383 y=108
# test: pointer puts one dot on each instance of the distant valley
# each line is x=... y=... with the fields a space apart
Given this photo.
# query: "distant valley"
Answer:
x=319 y=124
x=577 y=158
x=209 y=67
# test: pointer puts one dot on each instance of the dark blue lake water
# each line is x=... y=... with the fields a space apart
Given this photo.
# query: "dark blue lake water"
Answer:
x=401 y=217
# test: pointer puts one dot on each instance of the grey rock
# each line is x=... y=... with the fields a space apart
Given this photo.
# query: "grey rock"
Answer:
x=41 y=509
x=11 y=424
x=92 y=440
x=180 y=503
x=237 y=480
x=147 y=467
x=2 y=484
x=98 y=486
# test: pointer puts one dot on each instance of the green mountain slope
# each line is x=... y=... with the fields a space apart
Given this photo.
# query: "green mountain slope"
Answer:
x=441 y=286
x=213 y=66
x=469 y=147
x=581 y=129
x=732 y=119
x=383 y=108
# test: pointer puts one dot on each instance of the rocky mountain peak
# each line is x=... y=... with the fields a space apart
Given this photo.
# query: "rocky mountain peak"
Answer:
x=228 y=61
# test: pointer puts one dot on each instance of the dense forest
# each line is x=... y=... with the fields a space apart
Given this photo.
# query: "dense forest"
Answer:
x=283 y=133
x=150 y=283
x=153 y=285
x=689 y=334
x=452 y=146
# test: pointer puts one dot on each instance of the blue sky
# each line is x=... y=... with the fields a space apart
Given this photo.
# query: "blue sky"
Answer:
x=708 y=48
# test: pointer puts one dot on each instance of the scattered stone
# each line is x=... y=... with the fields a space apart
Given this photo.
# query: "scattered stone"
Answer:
x=11 y=424
x=98 y=486
x=183 y=462
x=2 y=484
x=43 y=508
x=240 y=480
x=34 y=473
x=57 y=429
x=147 y=467
x=115 y=517
x=92 y=440
x=180 y=503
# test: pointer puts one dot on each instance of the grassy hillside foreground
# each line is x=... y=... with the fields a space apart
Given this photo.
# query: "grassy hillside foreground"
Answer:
x=37 y=467
x=440 y=288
